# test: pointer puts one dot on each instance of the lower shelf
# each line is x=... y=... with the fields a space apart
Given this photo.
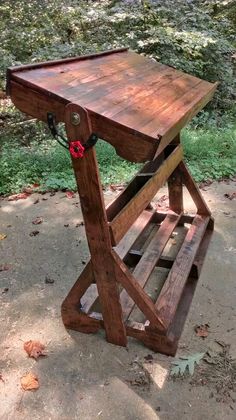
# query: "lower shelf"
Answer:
x=168 y=275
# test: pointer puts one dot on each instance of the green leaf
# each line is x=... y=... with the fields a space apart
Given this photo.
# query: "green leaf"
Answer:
x=187 y=363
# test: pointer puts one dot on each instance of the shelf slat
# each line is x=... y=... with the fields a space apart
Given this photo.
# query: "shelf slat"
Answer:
x=149 y=259
x=172 y=290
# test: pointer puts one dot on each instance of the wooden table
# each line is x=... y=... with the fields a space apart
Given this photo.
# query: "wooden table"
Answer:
x=139 y=106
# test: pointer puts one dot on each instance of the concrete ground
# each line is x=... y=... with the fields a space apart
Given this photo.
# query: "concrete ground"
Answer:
x=84 y=377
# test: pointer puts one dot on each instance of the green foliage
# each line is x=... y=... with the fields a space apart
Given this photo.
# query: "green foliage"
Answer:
x=197 y=37
x=186 y=364
x=49 y=164
x=210 y=153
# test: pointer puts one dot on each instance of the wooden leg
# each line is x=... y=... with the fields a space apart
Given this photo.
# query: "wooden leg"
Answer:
x=164 y=315
x=95 y=220
x=175 y=187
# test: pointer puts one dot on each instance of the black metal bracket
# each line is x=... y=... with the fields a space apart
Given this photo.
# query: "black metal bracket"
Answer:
x=54 y=131
x=92 y=140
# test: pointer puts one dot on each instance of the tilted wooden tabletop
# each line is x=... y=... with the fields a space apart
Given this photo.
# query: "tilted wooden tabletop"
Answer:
x=130 y=98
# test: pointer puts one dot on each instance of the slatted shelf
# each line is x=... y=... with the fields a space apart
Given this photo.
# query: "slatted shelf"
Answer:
x=146 y=255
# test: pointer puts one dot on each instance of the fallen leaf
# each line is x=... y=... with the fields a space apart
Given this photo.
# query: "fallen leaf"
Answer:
x=35 y=185
x=48 y=280
x=20 y=196
x=36 y=201
x=116 y=187
x=29 y=382
x=37 y=221
x=187 y=363
x=2 y=236
x=5 y=290
x=202 y=330
x=70 y=194
x=34 y=349
x=230 y=196
x=4 y=267
x=34 y=233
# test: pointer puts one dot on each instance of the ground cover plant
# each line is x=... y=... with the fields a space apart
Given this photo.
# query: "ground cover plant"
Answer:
x=195 y=36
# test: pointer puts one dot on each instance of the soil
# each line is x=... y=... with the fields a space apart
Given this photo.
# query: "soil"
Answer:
x=82 y=376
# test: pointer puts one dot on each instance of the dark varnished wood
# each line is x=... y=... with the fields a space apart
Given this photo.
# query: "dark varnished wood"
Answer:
x=139 y=106
x=173 y=288
x=127 y=215
x=134 y=103
x=92 y=204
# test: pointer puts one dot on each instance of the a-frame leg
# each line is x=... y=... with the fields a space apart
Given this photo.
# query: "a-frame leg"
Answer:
x=93 y=209
x=165 y=315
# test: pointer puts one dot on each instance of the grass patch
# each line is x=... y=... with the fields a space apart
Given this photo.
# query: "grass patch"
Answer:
x=209 y=153
x=49 y=165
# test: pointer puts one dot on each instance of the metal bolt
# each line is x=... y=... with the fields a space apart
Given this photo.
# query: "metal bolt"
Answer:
x=75 y=118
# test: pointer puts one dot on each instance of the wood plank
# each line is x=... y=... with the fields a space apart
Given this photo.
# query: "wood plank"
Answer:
x=172 y=290
x=122 y=222
x=63 y=61
x=113 y=208
x=122 y=249
x=187 y=102
x=163 y=262
x=173 y=120
x=154 y=250
x=37 y=105
x=149 y=259
x=136 y=292
x=93 y=209
x=133 y=234
x=153 y=99
x=122 y=103
x=194 y=190
x=85 y=279
x=156 y=342
x=83 y=81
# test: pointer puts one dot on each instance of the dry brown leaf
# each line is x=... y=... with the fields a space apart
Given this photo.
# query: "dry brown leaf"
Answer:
x=29 y=382
x=20 y=196
x=37 y=221
x=34 y=349
x=2 y=236
x=202 y=330
x=116 y=187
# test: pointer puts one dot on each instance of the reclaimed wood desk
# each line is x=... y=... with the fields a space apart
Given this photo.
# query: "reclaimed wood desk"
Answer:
x=139 y=106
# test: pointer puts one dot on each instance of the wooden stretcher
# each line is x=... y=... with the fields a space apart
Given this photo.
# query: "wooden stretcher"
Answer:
x=139 y=106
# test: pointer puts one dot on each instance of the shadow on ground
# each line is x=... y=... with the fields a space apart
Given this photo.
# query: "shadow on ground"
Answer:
x=84 y=377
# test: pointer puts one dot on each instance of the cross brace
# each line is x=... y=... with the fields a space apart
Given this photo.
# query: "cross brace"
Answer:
x=112 y=285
